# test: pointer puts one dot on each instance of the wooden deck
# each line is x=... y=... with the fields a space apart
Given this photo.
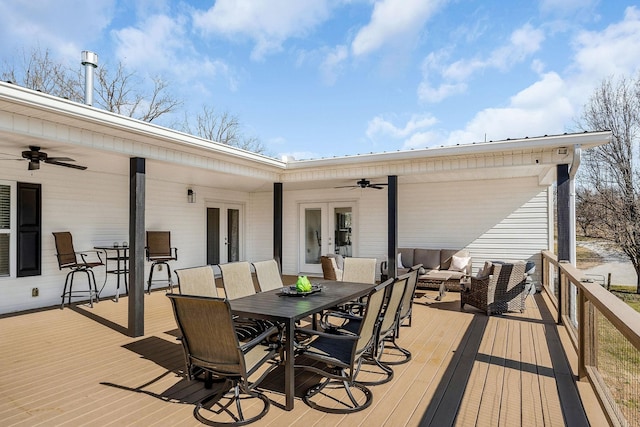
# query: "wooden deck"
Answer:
x=77 y=366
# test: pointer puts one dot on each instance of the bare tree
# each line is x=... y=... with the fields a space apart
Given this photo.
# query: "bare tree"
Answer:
x=39 y=72
x=224 y=128
x=610 y=172
x=117 y=92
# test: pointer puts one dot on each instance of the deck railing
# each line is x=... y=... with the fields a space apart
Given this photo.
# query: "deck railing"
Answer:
x=605 y=332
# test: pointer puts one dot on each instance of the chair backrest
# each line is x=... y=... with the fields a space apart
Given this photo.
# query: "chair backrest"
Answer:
x=237 y=280
x=394 y=303
x=197 y=281
x=506 y=276
x=360 y=270
x=407 y=297
x=268 y=274
x=328 y=268
x=64 y=247
x=208 y=333
x=375 y=301
x=158 y=244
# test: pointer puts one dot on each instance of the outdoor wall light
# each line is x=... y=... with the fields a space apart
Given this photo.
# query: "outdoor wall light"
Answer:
x=191 y=196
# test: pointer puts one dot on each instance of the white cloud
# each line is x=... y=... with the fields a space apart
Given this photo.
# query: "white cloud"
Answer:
x=53 y=25
x=332 y=64
x=542 y=107
x=611 y=51
x=414 y=133
x=267 y=22
x=393 y=21
x=159 y=46
x=523 y=42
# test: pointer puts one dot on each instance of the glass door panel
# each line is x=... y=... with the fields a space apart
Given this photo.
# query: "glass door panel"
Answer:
x=224 y=233
x=325 y=228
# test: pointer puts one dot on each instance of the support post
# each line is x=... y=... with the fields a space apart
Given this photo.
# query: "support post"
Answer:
x=277 y=223
x=564 y=229
x=136 y=246
x=392 y=226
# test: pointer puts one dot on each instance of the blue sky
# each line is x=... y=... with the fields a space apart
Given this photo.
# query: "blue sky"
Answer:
x=322 y=78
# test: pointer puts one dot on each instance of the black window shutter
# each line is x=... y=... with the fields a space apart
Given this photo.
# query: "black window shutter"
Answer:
x=29 y=229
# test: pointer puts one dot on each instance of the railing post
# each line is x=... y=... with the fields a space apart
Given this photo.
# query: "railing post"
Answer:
x=583 y=329
x=560 y=298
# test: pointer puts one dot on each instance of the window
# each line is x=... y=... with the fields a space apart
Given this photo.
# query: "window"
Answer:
x=5 y=229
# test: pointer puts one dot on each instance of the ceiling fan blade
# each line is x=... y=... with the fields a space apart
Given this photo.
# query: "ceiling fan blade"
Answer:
x=59 y=159
x=67 y=165
x=375 y=186
x=378 y=184
x=348 y=186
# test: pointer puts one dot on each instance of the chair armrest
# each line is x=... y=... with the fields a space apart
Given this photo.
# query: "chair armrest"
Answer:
x=175 y=253
x=310 y=332
x=84 y=254
x=383 y=266
x=257 y=340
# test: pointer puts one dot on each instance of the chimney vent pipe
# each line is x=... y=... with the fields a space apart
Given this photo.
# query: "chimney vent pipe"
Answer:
x=90 y=61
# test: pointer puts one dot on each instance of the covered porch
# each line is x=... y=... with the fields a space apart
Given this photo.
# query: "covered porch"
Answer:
x=79 y=367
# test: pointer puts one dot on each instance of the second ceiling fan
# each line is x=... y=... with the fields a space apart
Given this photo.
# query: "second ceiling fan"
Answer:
x=365 y=183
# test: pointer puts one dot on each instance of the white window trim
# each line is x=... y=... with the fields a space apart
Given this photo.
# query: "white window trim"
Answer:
x=12 y=229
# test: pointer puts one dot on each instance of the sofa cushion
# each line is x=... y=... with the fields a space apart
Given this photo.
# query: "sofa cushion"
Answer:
x=429 y=258
x=458 y=263
x=407 y=257
x=399 y=262
x=446 y=254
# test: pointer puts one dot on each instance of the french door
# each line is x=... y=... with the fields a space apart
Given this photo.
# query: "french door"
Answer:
x=225 y=231
x=325 y=228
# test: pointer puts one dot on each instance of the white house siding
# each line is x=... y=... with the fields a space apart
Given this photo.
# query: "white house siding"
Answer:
x=94 y=207
x=494 y=219
x=259 y=227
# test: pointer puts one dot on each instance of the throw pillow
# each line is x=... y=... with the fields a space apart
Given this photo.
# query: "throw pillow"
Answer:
x=458 y=263
x=486 y=270
x=400 y=260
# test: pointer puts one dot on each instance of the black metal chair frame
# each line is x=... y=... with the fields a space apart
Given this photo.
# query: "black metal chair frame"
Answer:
x=160 y=258
x=221 y=364
x=67 y=258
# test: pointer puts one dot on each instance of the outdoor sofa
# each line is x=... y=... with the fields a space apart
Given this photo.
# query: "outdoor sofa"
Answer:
x=456 y=263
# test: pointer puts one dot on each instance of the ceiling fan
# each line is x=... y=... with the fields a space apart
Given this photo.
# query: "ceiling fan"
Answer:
x=365 y=183
x=35 y=156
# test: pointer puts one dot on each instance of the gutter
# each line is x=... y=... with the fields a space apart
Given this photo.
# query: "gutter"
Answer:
x=573 y=170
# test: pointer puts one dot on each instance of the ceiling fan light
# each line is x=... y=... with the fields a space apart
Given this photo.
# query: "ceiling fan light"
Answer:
x=34 y=165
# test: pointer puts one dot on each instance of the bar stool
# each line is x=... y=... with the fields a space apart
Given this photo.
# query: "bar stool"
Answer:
x=160 y=252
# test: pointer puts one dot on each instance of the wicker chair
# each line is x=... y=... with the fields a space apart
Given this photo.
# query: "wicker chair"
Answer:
x=504 y=289
x=210 y=345
x=341 y=356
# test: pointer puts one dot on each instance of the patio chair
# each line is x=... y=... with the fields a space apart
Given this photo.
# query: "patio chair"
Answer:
x=499 y=288
x=237 y=280
x=361 y=270
x=268 y=275
x=238 y=283
x=210 y=345
x=68 y=258
x=330 y=268
x=159 y=253
x=340 y=357
x=407 y=299
x=386 y=329
x=197 y=281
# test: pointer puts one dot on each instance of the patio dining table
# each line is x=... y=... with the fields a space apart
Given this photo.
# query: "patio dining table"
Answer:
x=288 y=309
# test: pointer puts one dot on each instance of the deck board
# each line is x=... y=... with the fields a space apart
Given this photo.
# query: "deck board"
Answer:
x=77 y=367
